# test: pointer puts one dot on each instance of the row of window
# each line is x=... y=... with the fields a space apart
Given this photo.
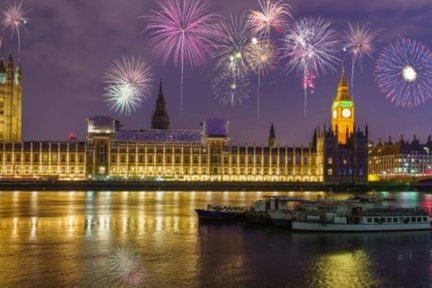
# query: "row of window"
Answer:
x=44 y=170
x=397 y=220
x=72 y=158
x=226 y=171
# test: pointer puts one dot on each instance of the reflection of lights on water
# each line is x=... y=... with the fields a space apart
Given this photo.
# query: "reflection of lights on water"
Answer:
x=333 y=270
x=33 y=228
x=14 y=227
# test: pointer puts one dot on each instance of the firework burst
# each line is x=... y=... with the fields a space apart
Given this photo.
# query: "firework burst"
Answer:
x=230 y=89
x=14 y=18
x=404 y=73
x=129 y=82
x=233 y=39
x=359 y=42
x=262 y=58
x=273 y=14
x=311 y=47
x=127 y=269
x=183 y=31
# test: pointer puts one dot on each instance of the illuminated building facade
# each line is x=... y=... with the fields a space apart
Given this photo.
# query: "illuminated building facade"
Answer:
x=389 y=161
x=343 y=110
x=10 y=101
x=205 y=154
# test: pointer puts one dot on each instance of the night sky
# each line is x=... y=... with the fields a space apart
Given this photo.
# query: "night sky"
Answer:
x=70 y=43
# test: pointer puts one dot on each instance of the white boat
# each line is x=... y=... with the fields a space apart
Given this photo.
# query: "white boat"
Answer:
x=357 y=218
x=284 y=217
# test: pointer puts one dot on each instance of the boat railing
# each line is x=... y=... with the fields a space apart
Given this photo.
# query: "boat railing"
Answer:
x=395 y=211
x=228 y=208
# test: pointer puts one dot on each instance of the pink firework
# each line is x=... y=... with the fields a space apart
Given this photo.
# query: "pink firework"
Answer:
x=14 y=17
x=273 y=14
x=359 y=42
x=182 y=31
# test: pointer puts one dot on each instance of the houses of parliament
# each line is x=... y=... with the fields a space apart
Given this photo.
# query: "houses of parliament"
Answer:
x=336 y=154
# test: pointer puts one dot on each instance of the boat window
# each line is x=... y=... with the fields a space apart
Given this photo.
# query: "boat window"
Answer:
x=376 y=220
x=401 y=219
x=389 y=220
x=425 y=219
x=369 y=220
x=418 y=219
x=413 y=219
x=395 y=220
x=382 y=220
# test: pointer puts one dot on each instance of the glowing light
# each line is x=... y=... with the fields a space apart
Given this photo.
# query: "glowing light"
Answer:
x=273 y=14
x=311 y=47
x=404 y=73
x=14 y=18
x=129 y=82
x=183 y=31
x=409 y=74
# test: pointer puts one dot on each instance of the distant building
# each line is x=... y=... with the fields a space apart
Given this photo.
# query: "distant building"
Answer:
x=337 y=155
x=401 y=159
x=10 y=101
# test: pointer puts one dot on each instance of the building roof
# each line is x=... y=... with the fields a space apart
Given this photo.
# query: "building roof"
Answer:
x=159 y=136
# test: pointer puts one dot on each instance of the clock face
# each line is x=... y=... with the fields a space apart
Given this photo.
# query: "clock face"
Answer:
x=334 y=114
x=346 y=113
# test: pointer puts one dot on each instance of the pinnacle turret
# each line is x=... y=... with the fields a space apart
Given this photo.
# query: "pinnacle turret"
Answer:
x=160 y=118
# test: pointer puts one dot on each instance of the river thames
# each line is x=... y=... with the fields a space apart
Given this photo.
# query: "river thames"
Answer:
x=68 y=239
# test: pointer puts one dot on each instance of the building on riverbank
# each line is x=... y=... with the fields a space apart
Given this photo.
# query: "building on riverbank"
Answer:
x=335 y=155
x=400 y=160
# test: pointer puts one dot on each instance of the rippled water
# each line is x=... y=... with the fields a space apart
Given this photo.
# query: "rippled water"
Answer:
x=66 y=239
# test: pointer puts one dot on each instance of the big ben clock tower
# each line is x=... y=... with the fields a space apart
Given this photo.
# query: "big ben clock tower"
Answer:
x=343 y=111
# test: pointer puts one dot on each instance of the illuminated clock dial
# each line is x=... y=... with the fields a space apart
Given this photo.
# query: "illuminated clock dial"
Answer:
x=346 y=113
x=334 y=114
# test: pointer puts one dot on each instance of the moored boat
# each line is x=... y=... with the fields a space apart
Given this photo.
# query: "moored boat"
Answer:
x=221 y=213
x=348 y=218
x=261 y=210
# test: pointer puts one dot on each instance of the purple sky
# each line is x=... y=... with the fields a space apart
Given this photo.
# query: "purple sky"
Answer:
x=69 y=44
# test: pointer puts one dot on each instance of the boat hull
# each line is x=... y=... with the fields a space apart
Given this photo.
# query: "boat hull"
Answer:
x=281 y=218
x=330 y=227
x=219 y=216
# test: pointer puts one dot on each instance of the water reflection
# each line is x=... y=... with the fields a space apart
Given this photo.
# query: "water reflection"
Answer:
x=64 y=239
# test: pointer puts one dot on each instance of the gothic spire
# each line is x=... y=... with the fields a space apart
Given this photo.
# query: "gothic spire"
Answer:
x=160 y=118
x=343 y=93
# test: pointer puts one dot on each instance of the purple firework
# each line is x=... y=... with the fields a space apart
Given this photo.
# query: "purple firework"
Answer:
x=182 y=31
x=404 y=72
x=311 y=47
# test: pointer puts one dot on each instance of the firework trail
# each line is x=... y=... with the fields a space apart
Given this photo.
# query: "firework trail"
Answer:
x=14 y=18
x=273 y=14
x=261 y=57
x=404 y=72
x=231 y=90
x=359 y=42
x=127 y=269
x=233 y=39
x=183 y=31
x=311 y=47
x=129 y=82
